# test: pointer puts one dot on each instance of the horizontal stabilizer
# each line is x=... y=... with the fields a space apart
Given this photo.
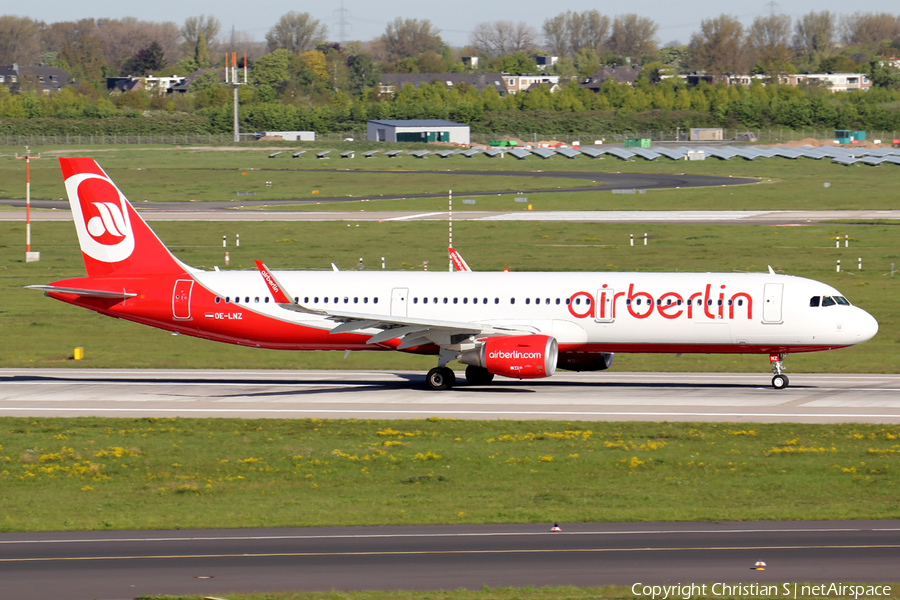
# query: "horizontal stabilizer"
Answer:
x=80 y=292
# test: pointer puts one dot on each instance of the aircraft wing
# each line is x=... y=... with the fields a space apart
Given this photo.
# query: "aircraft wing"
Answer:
x=412 y=332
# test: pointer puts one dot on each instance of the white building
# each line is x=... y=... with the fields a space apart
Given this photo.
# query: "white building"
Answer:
x=836 y=82
x=418 y=130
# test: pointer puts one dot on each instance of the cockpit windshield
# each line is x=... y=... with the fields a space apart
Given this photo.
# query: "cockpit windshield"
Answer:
x=828 y=301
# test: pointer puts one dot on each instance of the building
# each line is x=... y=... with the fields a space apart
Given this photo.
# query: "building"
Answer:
x=706 y=134
x=471 y=62
x=157 y=85
x=290 y=136
x=835 y=82
x=46 y=79
x=392 y=82
x=545 y=62
x=418 y=130
x=624 y=74
x=523 y=83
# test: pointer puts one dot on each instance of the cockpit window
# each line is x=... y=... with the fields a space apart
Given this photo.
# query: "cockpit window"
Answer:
x=828 y=301
x=814 y=301
x=842 y=301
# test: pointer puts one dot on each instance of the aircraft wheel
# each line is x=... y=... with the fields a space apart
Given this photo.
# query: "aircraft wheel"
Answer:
x=779 y=382
x=478 y=375
x=439 y=379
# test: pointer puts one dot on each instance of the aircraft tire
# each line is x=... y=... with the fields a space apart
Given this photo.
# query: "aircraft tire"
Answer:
x=478 y=375
x=438 y=379
x=779 y=382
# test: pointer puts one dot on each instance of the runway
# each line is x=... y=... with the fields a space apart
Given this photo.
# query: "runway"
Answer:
x=603 y=396
x=108 y=565
x=723 y=217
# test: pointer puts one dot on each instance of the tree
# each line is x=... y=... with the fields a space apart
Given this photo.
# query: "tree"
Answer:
x=296 y=32
x=122 y=39
x=362 y=73
x=408 y=38
x=569 y=32
x=503 y=37
x=201 y=54
x=19 y=40
x=194 y=27
x=147 y=60
x=633 y=36
x=769 y=44
x=587 y=62
x=719 y=46
x=869 y=30
x=677 y=58
x=814 y=34
x=272 y=69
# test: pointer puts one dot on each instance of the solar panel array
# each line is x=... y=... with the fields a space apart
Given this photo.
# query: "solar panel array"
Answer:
x=836 y=154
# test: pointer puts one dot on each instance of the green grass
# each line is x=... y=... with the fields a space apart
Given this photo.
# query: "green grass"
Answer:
x=501 y=593
x=203 y=174
x=46 y=331
x=93 y=473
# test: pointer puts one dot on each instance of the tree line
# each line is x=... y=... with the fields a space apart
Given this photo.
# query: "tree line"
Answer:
x=300 y=80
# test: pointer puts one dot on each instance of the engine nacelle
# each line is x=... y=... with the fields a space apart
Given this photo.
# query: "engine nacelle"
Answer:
x=585 y=361
x=519 y=357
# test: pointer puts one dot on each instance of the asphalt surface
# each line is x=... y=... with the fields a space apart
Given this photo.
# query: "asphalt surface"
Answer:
x=604 y=396
x=115 y=565
x=605 y=181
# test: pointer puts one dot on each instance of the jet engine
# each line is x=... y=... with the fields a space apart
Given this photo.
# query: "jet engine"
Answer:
x=519 y=357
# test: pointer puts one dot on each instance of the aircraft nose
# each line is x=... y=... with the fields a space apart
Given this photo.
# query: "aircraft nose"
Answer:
x=866 y=326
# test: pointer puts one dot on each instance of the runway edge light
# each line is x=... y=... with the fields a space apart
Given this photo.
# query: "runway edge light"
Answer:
x=555 y=527
x=759 y=566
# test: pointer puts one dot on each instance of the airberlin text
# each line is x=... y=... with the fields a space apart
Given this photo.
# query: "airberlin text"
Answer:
x=708 y=303
x=690 y=591
x=514 y=354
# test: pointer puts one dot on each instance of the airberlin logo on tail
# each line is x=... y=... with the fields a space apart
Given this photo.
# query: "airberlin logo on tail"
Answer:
x=101 y=217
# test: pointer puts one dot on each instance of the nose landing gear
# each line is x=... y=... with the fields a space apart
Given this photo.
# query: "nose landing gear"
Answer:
x=779 y=381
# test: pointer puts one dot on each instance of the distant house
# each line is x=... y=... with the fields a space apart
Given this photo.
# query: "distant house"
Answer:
x=835 y=82
x=185 y=84
x=46 y=79
x=158 y=85
x=545 y=62
x=392 y=82
x=624 y=74
x=523 y=83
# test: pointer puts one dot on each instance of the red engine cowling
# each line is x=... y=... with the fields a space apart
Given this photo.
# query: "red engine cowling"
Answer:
x=519 y=357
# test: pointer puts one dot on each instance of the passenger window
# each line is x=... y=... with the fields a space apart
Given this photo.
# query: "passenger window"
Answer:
x=266 y=300
x=217 y=299
x=325 y=300
x=316 y=299
x=256 y=300
x=356 y=300
x=346 y=300
x=424 y=300
x=496 y=300
x=335 y=299
x=305 y=300
x=445 y=301
x=375 y=300
x=512 y=300
x=465 y=300
x=296 y=300
x=435 y=300
x=741 y=302
x=484 y=300
x=568 y=301
x=227 y=299
x=474 y=300
x=527 y=300
x=366 y=300
x=247 y=299
x=415 y=300
x=557 y=301
x=828 y=301
x=455 y=300
x=237 y=299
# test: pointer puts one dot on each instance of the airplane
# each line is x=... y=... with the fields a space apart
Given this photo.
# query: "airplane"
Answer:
x=522 y=325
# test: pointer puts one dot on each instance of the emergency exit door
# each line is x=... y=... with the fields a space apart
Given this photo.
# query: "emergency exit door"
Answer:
x=772 y=302
x=181 y=299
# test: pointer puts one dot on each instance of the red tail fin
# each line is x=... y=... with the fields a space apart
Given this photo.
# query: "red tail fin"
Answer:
x=113 y=237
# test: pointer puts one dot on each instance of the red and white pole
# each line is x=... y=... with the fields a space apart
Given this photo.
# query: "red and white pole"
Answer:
x=450 y=222
x=27 y=202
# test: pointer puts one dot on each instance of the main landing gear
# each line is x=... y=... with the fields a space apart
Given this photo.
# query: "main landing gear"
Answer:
x=440 y=378
x=780 y=380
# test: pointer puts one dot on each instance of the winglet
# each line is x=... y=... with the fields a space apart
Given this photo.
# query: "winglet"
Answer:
x=458 y=263
x=276 y=288
x=279 y=294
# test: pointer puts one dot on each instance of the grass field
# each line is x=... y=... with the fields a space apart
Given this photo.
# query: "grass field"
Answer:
x=161 y=174
x=46 y=331
x=526 y=593
x=91 y=473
